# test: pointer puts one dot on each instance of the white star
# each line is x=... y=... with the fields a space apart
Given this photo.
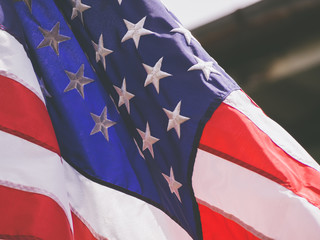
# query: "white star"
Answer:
x=187 y=34
x=155 y=74
x=173 y=184
x=102 y=123
x=77 y=81
x=78 y=9
x=147 y=139
x=175 y=119
x=52 y=38
x=206 y=67
x=101 y=52
x=135 y=31
x=124 y=96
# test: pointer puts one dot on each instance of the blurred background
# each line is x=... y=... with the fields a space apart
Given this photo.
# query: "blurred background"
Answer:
x=272 y=49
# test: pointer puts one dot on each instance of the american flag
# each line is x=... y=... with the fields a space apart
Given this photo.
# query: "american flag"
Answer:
x=116 y=124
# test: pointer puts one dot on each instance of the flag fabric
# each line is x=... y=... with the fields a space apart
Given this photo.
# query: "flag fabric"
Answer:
x=116 y=124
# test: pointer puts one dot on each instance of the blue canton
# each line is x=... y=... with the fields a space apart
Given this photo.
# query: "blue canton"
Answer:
x=130 y=91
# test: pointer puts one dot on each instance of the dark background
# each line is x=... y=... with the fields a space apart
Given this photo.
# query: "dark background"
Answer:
x=272 y=49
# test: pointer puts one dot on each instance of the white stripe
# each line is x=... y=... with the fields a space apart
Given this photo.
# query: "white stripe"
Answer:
x=29 y=167
x=258 y=202
x=234 y=219
x=277 y=134
x=15 y=64
x=107 y=212
x=116 y=215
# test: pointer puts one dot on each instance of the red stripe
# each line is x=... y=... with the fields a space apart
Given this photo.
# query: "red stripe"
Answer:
x=23 y=114
x=26 y=215
x=81 y=232
x=216 y=226
x=231 y=135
